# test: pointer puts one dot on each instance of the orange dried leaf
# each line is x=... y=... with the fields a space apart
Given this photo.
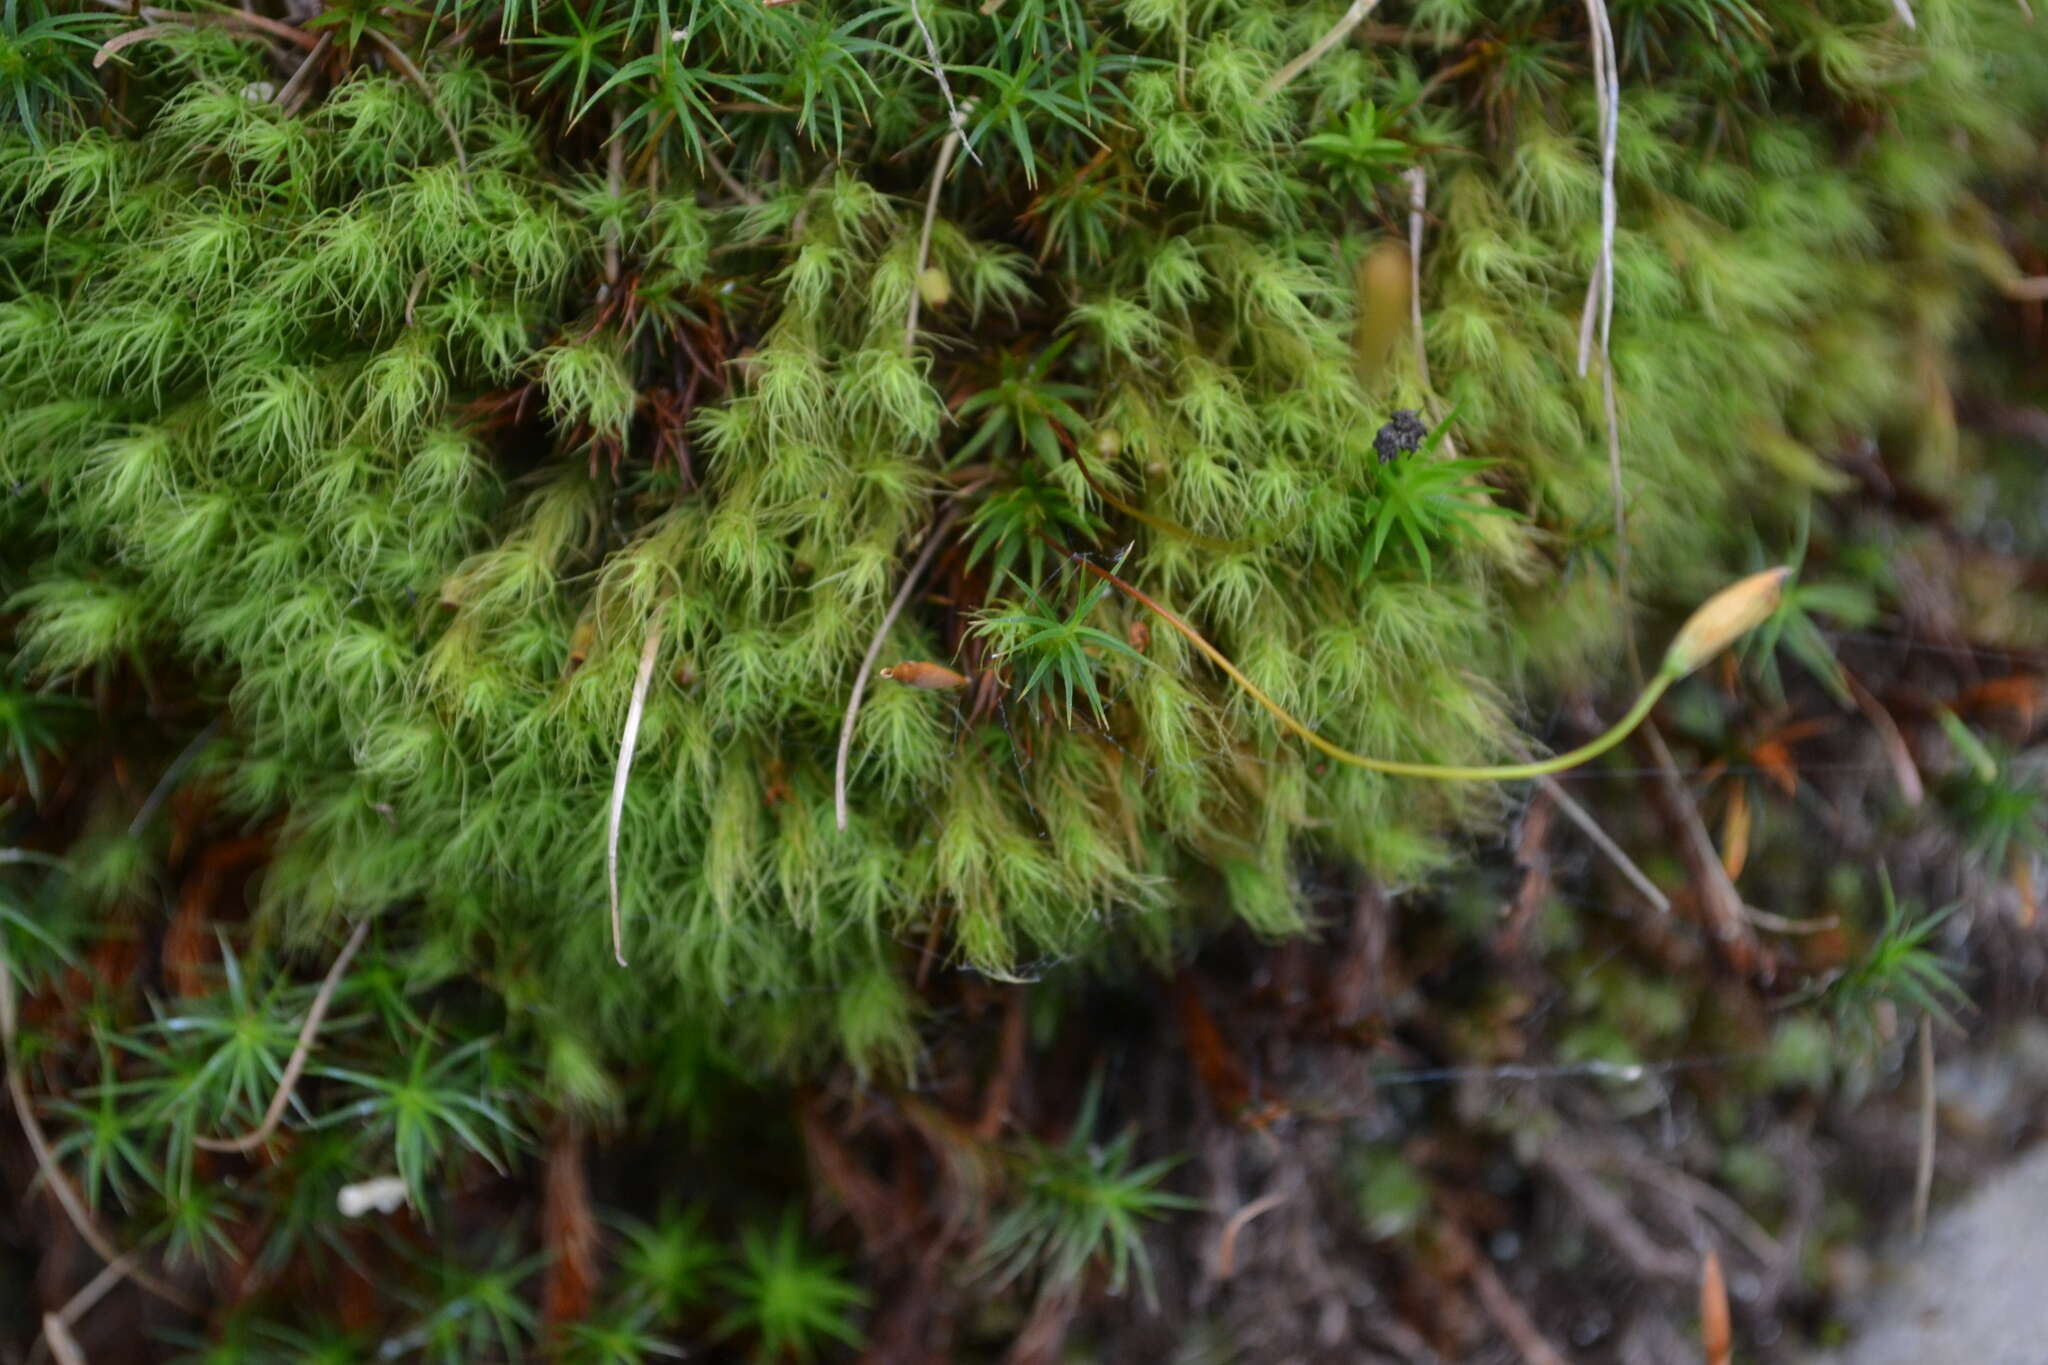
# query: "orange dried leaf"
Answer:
x=925 y=676
x=1774 y=757
x=2023 y=882
x=569 y=1228
x=1716 y=1337
x=1735 y=832
x=2019 y=693
x=1221 y=1073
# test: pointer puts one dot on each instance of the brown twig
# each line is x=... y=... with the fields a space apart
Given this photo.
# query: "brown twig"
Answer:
x=1532 y=861
x=298 y=37
x=412 y=294
x=1904 y=770
x=293 y=94
x=1778 y=924
x=1721 y=908
x=1038 y=1342
x=1611 y=1218
x=1499 y=1304
x=733 y=187
x=932 y=540
x=1610 y=850
x=1358 y=981
x=1010 y=1057
x=1702 y=1197
x=310 y=1029
x=113 y=46
x=614 y=178
x=54 y=1179
x=1226 y=1241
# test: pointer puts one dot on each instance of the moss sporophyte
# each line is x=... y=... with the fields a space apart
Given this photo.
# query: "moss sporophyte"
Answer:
x=1718 y=623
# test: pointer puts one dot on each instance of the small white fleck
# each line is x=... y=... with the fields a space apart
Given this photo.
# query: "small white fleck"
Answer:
x=385 y=1194
x=259 y=92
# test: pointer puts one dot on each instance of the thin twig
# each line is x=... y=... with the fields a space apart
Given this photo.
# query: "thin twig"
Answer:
x=733 y=187
x=273 y=1115
x=1610 y=1216
x=1923 y=1167
x=1418 y=204
x=263 y=23
x=951 y=145
x=1701 y=1197
x=867 y=664
x=1720 y=905
x=1778 y=924
x=956 y=114
x=1500 y=1305
x=1589 y=316
x=419 y=79
x=1607 y=99
x=614 y=178
x=289 y=98
x=64 y=1348
x=57 y=1326
x=54 y=1178
x=112 y=47
x=1588 y=826
x=1904 y=9
x=1226 y=1242
x=1904 y=770
x=1339 y=31
x=1599 y=310
x=95 y=1289
x=627 y=741
x=226 y=18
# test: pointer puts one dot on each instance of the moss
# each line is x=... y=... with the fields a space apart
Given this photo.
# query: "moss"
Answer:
x=410 y=456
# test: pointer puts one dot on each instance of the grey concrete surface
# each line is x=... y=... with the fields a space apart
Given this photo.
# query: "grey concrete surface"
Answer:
x=1975 y=1292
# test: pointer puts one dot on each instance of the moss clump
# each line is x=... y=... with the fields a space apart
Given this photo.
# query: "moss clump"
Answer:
x=403 y=410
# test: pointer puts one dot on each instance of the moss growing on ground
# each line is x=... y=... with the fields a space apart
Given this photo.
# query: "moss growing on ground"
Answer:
x=412 y=406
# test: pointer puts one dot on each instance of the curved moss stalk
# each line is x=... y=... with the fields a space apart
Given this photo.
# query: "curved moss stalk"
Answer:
x=1724 y=618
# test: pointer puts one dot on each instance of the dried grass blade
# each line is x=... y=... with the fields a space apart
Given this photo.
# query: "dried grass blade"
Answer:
x=628 y=740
